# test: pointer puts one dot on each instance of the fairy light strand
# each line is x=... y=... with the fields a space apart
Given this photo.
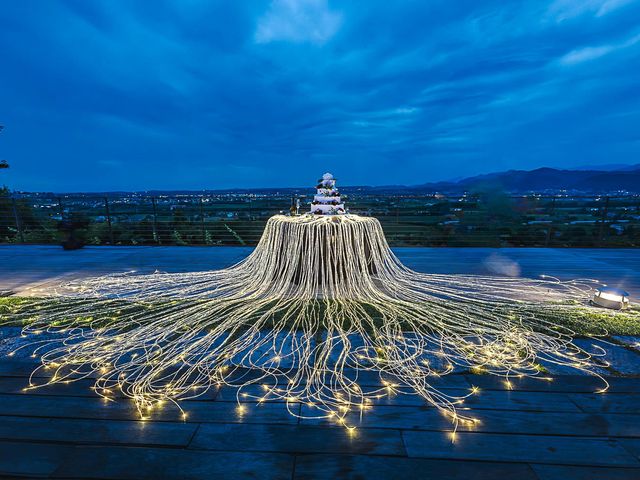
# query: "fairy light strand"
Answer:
x=317 y=309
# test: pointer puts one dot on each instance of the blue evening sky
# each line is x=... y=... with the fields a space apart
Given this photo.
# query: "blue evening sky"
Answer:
x=192 y=94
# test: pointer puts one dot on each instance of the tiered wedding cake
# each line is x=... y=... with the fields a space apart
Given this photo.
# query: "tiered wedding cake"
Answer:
x=327 y=201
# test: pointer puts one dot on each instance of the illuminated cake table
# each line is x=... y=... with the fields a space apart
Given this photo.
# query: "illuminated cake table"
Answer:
x=319 y=301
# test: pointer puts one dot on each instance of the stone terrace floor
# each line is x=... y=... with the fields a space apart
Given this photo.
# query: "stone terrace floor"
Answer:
x=539 y=430
x=24 y=267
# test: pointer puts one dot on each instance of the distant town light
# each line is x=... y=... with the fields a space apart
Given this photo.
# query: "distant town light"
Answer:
x=611 y=297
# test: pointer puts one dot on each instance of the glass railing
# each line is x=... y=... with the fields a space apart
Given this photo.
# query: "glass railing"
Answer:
x=239 y=219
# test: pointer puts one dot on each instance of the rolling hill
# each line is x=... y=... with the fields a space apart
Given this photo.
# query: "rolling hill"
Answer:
x=546 y=179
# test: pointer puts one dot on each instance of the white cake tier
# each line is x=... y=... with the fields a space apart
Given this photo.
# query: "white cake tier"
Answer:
x=329 y=184
x=328 y=209
x=325 y=199
x=326 y=191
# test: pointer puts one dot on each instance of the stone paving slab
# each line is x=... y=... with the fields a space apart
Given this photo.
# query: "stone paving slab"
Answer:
x=620 y=359
x=19 y=346
x=628 y=341
x=563 y=472
x=556 y=369
x=366 y=379
x=162 y=463
x=563 y=383
x=97 y=431
x=31 y=460
x=77 y=388
x=521 y=448
x=497 y=421
x=298 y=439
x=607 y=403
x=632 y=445
x=20 y=368
x=495 y=399
x=79 y=407
x=360 y=467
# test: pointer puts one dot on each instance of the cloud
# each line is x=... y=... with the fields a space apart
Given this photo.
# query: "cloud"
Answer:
x=298 y=21
x=405 y=110
x=586 y=54
x=563 y=10
x=420 y=90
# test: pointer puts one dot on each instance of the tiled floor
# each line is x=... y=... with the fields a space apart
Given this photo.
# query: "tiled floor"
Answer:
x=539 y=430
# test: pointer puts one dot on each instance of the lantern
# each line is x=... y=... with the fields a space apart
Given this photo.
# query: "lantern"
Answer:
x=611 y=297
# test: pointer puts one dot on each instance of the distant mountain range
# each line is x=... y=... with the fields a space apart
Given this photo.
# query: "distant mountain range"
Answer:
x=540 y=180
x=599 y=179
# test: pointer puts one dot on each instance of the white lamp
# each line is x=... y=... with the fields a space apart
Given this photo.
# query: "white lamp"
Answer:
x=611 y=297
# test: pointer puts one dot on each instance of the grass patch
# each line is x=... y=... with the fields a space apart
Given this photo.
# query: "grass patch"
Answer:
x=20 y=311
x=599 y=321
